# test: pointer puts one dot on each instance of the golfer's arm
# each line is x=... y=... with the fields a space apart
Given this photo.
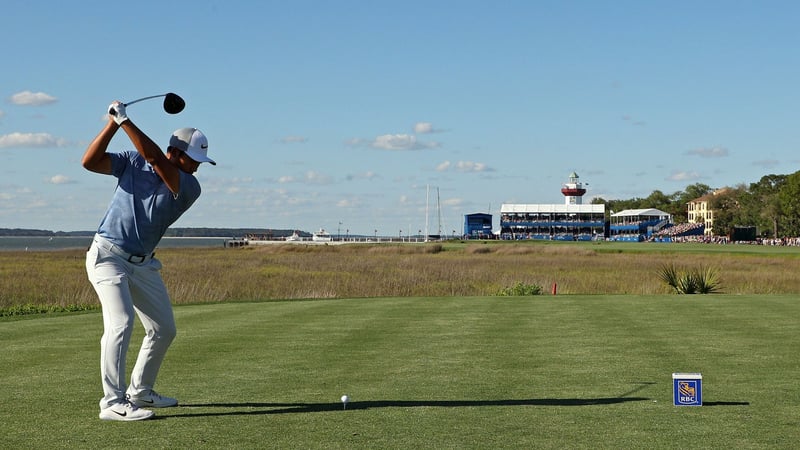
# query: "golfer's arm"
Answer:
x=153 y=155
x=95 y=158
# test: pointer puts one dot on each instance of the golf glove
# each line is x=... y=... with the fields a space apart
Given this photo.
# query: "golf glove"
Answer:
x=117 y=112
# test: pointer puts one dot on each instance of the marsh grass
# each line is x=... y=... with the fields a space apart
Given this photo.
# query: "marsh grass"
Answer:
x=208 y=275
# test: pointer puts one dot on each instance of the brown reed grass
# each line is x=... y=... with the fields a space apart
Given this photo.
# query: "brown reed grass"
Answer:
x=290 y=271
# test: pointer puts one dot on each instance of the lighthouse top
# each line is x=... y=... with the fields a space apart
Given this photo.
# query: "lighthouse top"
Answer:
x=573 y=190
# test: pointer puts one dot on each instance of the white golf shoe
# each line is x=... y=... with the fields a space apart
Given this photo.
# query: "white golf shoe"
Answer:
x=125 y=412
x=152 y=399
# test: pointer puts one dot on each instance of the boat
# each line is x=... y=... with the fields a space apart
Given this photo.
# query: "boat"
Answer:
x=295 y=237
x=321 y=236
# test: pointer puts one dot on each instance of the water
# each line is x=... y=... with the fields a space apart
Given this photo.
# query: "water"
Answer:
x=38 y=244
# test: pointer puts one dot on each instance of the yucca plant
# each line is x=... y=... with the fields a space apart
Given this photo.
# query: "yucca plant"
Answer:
x=695 y=281
x=706 y=280
x=669 y=275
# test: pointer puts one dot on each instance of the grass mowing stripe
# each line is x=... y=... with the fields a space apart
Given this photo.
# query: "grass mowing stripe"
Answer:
x=545 y=372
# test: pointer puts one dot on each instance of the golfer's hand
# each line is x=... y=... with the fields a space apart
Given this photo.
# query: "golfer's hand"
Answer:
x=117 y=112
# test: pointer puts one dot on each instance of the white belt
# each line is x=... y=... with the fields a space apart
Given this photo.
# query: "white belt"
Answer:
x=105 y=244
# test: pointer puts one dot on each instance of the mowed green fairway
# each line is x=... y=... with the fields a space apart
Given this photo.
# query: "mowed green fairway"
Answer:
x=481 y=372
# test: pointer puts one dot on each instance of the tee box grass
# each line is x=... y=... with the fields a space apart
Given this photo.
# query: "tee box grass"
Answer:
x=427 y=372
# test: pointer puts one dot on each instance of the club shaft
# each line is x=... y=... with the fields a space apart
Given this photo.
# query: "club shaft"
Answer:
x=144 y=98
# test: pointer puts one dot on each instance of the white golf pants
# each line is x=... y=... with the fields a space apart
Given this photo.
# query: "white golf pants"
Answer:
x=125 y=288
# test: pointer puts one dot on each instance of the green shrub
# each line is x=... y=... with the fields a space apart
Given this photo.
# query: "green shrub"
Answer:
x=29 y=309
x=520 y=289
x=693 y=281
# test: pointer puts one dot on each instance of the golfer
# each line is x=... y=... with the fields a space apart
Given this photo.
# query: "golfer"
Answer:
x=153 y=190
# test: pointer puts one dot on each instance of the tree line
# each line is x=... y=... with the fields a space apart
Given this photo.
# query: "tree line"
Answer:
x=772 y=205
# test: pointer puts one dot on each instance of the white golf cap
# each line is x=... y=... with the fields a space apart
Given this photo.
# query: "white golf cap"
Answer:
x=192 y=142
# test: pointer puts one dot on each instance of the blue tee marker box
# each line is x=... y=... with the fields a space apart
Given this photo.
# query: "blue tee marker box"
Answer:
x=687 y=389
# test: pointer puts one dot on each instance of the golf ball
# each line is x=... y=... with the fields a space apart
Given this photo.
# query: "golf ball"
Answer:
x=345 y=398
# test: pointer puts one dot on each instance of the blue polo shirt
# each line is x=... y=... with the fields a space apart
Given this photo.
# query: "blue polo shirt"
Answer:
x=143 y=207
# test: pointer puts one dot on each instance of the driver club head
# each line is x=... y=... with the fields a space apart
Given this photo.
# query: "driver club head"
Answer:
x=173 y=103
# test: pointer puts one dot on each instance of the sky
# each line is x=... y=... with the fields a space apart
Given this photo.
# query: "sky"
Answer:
x=366 y=117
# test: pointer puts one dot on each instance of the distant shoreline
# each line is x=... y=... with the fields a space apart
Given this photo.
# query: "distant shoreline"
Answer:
x=57 y=243
x=198 y=232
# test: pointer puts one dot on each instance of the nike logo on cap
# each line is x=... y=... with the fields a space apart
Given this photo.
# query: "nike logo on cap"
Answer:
x=204 y=146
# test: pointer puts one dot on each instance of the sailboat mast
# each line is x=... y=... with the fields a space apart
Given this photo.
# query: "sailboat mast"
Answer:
x=427 y=195
x=439 y=207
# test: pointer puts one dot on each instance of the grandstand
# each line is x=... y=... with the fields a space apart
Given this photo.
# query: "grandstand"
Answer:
x=571 y=221
x=637 y=225
x=552 y=222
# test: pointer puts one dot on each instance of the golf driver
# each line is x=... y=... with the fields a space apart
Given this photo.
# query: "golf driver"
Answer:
x=173 y=103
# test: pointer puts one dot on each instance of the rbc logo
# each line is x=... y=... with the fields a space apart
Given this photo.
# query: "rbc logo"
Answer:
x=687 y=392
x=687 y=389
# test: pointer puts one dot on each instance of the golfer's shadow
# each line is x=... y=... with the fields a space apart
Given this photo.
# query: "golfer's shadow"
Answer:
x=255 y=408
x=266 y=408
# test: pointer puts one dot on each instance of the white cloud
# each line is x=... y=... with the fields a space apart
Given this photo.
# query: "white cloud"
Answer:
x=713 y=152
x=471 y=166
x=317 y=178
x=31 y=140
x=426 y=128
x=28 y=98
x=684 y=176
x=59 y=179
x=395 y=142
x=400 y=142
x=464 y=167
x=369 y=175
x=423 y=127
x=310 y=177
